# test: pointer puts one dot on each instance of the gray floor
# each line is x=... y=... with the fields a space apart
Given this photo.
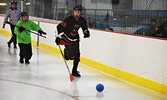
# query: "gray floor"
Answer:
x=46 y=78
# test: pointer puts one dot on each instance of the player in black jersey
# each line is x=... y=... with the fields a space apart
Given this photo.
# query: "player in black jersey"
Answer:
x=68 y=36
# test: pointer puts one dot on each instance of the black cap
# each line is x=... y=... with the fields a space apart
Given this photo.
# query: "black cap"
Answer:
x=153 y=20
x=22 y=14
x=13 y=2
x=78 y=8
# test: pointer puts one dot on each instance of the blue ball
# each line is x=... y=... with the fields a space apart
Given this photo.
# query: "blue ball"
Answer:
x=99 y=87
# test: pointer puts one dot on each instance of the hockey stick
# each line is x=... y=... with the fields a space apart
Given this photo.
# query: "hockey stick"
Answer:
x=27 y=30
x=71 y=77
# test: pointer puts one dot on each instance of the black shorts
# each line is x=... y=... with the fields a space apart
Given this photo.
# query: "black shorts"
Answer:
x=72 y=51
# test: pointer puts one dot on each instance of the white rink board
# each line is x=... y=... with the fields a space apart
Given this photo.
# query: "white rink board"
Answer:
x=145 y=57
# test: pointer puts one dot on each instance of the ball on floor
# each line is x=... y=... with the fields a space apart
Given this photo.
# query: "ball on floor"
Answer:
x=99 y=87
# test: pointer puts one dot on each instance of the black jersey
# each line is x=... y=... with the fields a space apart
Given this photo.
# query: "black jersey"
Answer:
x=70 y=27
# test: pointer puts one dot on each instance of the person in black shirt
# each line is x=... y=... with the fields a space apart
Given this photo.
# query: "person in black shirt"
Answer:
x=68 y=36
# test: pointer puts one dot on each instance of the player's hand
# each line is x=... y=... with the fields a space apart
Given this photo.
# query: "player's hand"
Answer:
x=3 y=26
x=42 y=32
x=57 y=41
x=86 y=34
x=21 y=29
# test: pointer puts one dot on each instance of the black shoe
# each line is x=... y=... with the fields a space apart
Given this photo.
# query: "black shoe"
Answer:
x=15 y=47
x=76 y=74
x=8 y=44
x=27 y=62
x=21 y=60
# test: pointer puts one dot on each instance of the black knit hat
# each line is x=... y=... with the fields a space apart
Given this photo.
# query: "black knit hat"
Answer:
x=78 y=8
x=13 y=2
x=153 y=20
x=22 y=14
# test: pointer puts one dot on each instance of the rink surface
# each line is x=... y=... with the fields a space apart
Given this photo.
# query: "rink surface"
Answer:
x=46 y=78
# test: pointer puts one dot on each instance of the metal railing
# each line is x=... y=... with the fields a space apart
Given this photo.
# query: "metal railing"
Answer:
x=126 y=21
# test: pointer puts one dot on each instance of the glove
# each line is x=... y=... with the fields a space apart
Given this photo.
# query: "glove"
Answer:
x=86 y=34
x=21 y=29
x=57 y=41
x=3 y=26
x=42 y=32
